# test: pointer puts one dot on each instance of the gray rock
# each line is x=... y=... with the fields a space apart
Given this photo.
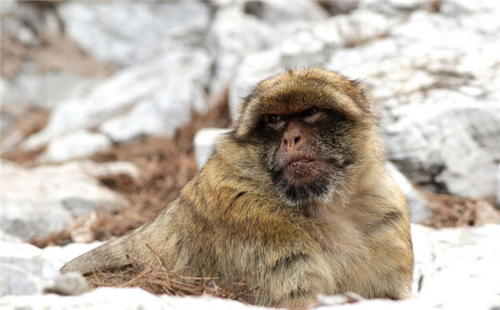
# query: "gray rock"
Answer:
x=98 y=27
x=233 y=35
x=60 y=255
x=453 y=142
x=498 y=187
x=204 y=142
x=76 y=144
x=152 y=98
x=181 y=78
x=27 y=22
x=420 y=210
x=43 y=90
x=309 y=45
x=57 y=195
x=276 y=12
x=24 y=270
x=68 y=284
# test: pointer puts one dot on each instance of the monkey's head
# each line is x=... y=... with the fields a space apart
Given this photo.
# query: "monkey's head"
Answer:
x=308 y=129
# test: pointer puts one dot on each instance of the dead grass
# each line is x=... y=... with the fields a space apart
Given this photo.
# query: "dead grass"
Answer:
x=454 y=211
x=157 y=279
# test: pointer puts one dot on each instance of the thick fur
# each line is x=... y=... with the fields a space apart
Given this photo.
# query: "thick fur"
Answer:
x=349 y=231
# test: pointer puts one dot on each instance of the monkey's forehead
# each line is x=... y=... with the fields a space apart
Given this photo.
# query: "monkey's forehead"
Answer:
x=296 y=90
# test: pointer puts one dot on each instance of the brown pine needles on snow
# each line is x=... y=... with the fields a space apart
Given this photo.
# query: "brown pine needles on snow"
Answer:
x=157 y=279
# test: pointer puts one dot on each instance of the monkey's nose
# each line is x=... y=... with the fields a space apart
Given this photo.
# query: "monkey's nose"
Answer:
x=291 y=139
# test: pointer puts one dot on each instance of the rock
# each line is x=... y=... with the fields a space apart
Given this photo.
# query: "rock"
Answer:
x=455 y=137
x=68 y=284
x=204 y=142
x=27 y=22
x=98 y=28
x=498 y=187
x=181 y=76
x=275 y=12
x=43 y=90
x=151 y=98
x=419 y=208
x=309 y=45
x=57 y=195
x=232 y=36
x=24 y=270
x=76 y=144
x=60 y=255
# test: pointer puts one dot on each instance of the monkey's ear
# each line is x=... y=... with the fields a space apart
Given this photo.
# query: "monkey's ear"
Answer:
x=365 y=98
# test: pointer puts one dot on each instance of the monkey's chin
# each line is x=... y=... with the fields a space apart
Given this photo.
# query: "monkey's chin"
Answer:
x=303 y=183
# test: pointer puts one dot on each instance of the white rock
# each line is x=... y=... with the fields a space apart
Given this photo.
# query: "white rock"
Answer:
x=498 y=187
x=71 y=283
x=419 y=207
x=457 y=135
x=57 y=195
x=60 y=255
x=98 y=28
x=254 y=69
x=47 y=90
x=76 y=144
x=232 y=36
x=24 y=270
x=181 y=76
x=309 y=45
x=151 y=98
x=204 y=142
x=278 y=12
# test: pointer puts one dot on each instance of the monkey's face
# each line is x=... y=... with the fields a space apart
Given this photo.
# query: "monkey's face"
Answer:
x=305 y=153
x=305 y=126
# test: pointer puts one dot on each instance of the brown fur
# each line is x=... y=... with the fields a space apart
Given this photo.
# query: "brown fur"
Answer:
x=233 y=217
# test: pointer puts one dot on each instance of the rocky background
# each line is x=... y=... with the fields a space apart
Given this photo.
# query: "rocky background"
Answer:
x=106 y=110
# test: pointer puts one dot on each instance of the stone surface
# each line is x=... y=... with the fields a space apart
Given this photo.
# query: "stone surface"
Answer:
x=455 y=137
x=24 y=269
x=498 y=187
x=233 y=35
x=75 y=145
x=419 y=208
x=98 y=27
x=46 y=91
x=151 y=98
x=57 y=195
x=204 y=142
x=68 y=284
x=308 y=45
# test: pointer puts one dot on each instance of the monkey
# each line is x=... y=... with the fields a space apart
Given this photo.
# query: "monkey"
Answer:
x=297 y=189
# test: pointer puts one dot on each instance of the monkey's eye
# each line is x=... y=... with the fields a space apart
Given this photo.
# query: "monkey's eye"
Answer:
x=273 y=119
x=310 y=111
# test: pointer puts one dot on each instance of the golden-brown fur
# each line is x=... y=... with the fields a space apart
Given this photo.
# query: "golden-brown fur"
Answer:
x=347 y=230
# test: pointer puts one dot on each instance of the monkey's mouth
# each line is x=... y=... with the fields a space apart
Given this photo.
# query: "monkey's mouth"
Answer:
x=300 y=162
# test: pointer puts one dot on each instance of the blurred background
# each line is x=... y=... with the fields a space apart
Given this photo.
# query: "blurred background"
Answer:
x=109 y=108
x=101 y=100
